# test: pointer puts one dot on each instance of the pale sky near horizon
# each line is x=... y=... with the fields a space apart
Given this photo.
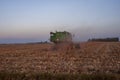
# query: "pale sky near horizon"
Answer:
x=32 y=20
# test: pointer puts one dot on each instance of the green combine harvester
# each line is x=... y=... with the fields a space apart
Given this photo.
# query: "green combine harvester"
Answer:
x=60 y=37
x=63 y=41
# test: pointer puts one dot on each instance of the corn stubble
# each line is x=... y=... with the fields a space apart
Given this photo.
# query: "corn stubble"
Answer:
x=91 y=58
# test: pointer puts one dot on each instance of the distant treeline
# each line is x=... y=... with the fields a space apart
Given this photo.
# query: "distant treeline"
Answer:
x=42 y=42
x=105 y=39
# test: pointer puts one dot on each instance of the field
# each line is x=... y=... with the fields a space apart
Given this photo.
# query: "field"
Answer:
x=92 y=58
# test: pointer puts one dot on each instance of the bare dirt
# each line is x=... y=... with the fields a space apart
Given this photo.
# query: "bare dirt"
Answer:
x=92 y=57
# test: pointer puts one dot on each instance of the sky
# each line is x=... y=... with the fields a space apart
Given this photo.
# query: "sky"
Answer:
x=32 y=20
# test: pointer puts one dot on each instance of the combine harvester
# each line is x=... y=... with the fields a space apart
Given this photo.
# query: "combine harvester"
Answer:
x=63 y=41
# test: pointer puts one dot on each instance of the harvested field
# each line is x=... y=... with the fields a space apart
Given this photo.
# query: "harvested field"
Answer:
x=92 y=58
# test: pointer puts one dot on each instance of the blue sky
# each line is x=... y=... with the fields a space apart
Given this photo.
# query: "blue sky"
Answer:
x=32 y=20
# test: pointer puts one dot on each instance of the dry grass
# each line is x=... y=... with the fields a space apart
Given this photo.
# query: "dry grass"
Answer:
x=50 y=76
